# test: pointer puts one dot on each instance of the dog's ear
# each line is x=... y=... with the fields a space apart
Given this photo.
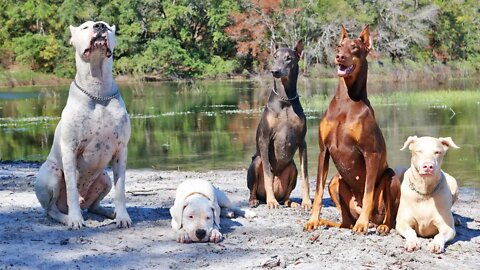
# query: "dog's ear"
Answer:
x=344 y=34
x=408 y=142
x=299 y=49
x=274 y=45
x=365 y=38
x=114 y=28
x=216 y=214
x=176 y=211
x=447 y=142
x=73 y=29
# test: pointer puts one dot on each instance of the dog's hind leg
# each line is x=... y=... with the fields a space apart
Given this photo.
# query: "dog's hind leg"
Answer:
x=47 y=190
x=96 y=193
x=255 y=180
x=334 y=190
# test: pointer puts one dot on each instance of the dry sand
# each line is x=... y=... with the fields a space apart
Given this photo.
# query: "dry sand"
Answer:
x=275 y=239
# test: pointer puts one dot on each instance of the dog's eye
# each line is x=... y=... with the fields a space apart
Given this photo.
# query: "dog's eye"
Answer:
x=208 y=218
x=85 y=27
x=437 y=152
x=190 y=216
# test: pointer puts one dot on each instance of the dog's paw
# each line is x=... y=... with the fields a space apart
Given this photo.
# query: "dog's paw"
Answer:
x=215 y=236
x=436 y=247
x=253 y=203
x=123 y=221
x=183 y=237
x=360 y=227
x=311 y=225
x=75 y=221
x=272 y=204
x=306 y=204
x=412 y=245
x=383 y=229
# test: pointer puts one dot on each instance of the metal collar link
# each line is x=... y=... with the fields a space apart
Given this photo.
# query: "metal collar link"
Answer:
x=95 y=97
x=285 y=98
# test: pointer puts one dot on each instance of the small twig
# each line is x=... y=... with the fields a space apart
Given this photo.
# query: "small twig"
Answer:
x=142 y=192
x=453 y=115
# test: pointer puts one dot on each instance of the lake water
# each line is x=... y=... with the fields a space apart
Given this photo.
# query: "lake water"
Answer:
x=211 y=125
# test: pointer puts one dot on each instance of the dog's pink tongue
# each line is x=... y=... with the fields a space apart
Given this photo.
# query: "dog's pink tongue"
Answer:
x=342 y=70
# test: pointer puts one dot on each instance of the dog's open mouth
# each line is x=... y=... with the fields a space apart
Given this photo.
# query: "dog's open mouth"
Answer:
x=100 y=44
x=343 y=70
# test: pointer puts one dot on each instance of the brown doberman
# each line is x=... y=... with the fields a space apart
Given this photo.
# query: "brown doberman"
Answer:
x=272 y=175
x=365 y=188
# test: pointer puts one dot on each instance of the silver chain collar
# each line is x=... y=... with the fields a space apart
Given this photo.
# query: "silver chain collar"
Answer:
x=412 y=187
x=285 y=98
x=95 y=97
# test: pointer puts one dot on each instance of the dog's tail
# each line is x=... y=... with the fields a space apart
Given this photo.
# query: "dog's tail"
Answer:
x=242 y=212
x=233 y=211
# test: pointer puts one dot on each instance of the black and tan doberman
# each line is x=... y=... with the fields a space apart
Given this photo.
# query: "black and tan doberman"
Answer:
x=365 y=188
x=272 y=175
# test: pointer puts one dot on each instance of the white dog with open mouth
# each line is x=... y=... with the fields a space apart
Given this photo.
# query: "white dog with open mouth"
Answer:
x=94 y=130
x=427 y=195
x=197 y=209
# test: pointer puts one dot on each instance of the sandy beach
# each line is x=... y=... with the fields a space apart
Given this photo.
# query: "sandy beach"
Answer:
x=275 y=239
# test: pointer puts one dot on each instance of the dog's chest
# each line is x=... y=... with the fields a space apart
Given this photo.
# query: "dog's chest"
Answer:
x=105 y=131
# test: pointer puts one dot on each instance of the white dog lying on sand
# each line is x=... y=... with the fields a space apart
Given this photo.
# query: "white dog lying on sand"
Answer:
x=197 y=209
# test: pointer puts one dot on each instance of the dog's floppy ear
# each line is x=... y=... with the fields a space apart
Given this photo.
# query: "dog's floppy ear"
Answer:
x=176 y=211
x=344 y=34
x=447 y=142
x=73 y=29
x=410 y=140
x=365 y=38
x=216 y=214
x=299 y=49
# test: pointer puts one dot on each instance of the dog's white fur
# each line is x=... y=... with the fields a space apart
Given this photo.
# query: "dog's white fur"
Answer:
x=197 y=209
x=427 y=195
x=89 y=135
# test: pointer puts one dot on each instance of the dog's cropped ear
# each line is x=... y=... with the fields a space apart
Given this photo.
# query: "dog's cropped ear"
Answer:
x=274 y=45
x=408 y=142
x=216 y=214
x=299 y=49
x=73 y=30
x=447 y=142
x=365 y=38
x=344 y=34
x=176 y=211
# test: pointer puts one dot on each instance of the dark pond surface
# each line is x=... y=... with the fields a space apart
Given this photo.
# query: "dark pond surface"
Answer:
x=211 y=125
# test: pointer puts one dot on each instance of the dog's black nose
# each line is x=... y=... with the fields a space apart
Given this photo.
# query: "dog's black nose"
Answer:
x=99 y=27
x=200 y=234
x=275 y=72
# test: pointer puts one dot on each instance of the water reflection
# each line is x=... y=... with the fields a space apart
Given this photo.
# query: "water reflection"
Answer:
x=211 y=125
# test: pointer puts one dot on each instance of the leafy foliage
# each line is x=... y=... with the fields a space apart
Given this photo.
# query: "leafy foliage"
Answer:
x=209 y=38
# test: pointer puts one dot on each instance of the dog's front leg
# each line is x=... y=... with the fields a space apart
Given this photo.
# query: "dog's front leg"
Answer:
x=119 y=164
x=445 y=234
x=411 y=240
x=323 y=159
x=267 y=174
x=69 y=160
x=302 y=151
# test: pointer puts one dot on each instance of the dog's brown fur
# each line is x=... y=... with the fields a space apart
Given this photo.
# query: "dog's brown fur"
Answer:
x=365 y=188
